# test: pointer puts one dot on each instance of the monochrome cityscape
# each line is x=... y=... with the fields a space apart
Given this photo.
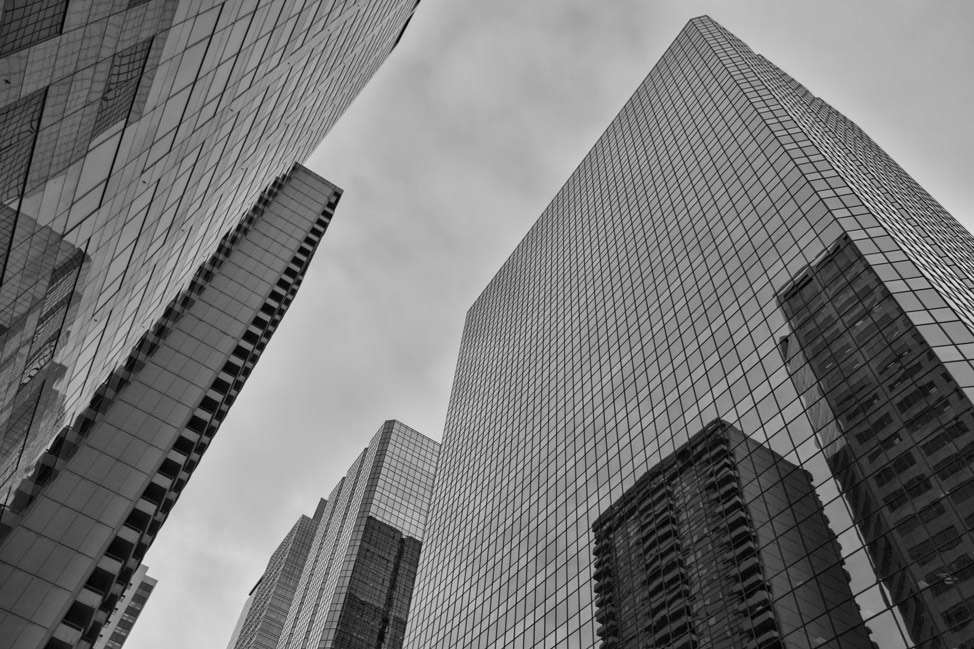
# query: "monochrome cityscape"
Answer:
x=718 y=396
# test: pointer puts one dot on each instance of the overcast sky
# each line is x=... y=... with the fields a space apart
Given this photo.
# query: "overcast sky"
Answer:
x=446 y=159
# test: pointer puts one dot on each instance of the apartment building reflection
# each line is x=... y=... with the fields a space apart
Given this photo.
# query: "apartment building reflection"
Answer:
x=897 y=432
x=37 y=308
x=722 y=544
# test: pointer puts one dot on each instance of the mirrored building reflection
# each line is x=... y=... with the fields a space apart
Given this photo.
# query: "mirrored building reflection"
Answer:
x=722 y=544
x=37 y=314
x=76 y=529
x=897 y=432
x=644 y=304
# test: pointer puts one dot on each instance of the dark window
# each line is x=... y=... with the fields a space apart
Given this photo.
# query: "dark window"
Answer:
x=123 y=83
x=26 y=22
x=19 y=123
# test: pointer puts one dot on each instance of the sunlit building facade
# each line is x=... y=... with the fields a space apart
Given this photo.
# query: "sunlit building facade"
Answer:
x=77 y=528
x=357 y=584
x=133 y=136
x=649 y=300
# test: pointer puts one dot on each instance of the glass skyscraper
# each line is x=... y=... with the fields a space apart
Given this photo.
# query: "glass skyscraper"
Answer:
x=262 y=617
x=354 y=586
x=731 y=250
x=78 y=526
x=133 y=136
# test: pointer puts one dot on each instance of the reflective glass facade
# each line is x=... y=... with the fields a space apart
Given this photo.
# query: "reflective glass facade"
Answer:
x=656 y=295
x=133 y=136
x=722 y=544
x=357 y=584
x=267 y=605
x=78 y=526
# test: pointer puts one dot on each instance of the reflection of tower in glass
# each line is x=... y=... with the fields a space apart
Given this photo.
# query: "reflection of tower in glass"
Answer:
x=722 y=544
x=897 y=432
x=36 y=312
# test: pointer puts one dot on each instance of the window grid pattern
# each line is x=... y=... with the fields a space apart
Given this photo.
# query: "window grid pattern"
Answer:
x=123 y=83
x=904 y=444
x=19 y=122
x=26 y=22
x=356 y=587
x=641 y=306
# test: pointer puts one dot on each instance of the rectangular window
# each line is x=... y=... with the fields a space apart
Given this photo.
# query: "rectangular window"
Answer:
x=123 y=83
x=26 y=22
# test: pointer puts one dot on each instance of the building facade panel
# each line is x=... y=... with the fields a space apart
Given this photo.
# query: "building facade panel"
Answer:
x=642 y=305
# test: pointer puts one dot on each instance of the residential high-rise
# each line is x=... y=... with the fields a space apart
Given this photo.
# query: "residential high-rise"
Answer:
x=357 y=583
x=649 y=299
x=77 y=528
x=721 y=544
x=262 y=618
x=127 y=611
x=133 y=136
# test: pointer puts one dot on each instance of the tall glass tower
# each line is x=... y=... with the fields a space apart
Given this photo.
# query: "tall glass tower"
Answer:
x=133 y=136
x=356 y=586
x=732 y=249
x=263 y=614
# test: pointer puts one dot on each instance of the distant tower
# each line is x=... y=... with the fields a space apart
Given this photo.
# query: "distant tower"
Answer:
x=127 y=611
x=267 y=605
x=356 y=586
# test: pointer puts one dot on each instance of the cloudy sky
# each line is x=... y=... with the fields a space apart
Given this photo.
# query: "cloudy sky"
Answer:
x=447 y=158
